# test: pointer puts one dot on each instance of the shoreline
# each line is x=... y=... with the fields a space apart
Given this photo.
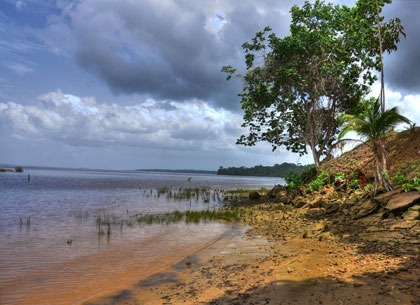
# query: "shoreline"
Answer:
x=294 y=255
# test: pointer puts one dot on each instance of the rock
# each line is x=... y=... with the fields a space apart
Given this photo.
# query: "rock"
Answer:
x=275 y=190
x=299 y=202
x=315 y=212
x=340 y=184
x=384 y=198
x=326 y=236
x=188 y=264
x=366 y=208
x=403 y=201
x=357 y=284
x=254 y=195
x=412 y=214
x=405 y=224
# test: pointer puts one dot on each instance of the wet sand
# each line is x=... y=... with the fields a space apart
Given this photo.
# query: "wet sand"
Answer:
x=247 y=268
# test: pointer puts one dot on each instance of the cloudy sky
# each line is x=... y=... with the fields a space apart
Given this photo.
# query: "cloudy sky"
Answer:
x=137 y=84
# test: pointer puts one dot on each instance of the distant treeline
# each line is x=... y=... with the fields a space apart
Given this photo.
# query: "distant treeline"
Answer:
x=184 y=171
x=278 y=170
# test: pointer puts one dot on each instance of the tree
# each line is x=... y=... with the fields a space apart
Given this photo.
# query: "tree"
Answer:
x=295 y=86
x=372 y=124
x=379 y=36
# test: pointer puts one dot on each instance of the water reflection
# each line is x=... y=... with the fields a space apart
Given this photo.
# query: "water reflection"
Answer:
x=69 y=235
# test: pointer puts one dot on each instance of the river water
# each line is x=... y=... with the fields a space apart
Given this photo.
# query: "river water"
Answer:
x=53 y=252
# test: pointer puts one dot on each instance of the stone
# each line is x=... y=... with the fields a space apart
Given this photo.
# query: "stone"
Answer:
x=315 y=212
x=403 y=201
x=411 y=214
x=404 y=224
x=384 y=198
x=275 y=190
x=299 y=202
x=326 y=236
x=254 y=195
x=340 y=184
x=366 y=208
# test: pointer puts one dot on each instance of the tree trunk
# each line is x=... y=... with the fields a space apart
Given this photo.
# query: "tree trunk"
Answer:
x=382 y=94
x=315 y=155
x=381 y=164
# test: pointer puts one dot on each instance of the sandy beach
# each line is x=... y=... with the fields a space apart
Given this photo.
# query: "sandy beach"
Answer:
x=253 y=267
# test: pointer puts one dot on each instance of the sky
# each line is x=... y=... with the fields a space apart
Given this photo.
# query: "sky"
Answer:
x=137 y=84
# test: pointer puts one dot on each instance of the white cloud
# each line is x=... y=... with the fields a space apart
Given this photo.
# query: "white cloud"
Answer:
x=82 y=121
x=19 y=4
x=408 y=105
x=18 y=68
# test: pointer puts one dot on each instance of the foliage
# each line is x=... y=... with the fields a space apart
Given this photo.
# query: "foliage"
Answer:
x=354 y=184
x=355 y=174
x=278 y=170
x=399 y=179
x=292 y=95
x=412 y=127
x=293 y=179
x=308 y=174
x=415 y=186
x=340 y=175
x=19 y=169
x=368 y=188
x=372 y=125
x=320 y=181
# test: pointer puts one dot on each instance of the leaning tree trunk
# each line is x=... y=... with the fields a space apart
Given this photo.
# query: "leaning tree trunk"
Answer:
x=381 y=165
x=316 y=156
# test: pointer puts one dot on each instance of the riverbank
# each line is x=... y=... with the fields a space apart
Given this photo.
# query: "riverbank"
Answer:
x=347 y=250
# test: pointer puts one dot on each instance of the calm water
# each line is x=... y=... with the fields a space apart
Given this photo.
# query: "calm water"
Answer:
x=38 y=266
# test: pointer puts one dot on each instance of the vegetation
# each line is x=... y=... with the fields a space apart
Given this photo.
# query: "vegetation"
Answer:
x=19 y=169
x=278 y=170
x=6 y=170
x=414 y=186
x=246 y=192
x=182 y=171
x=292 y=96
x=189 y=216
x=372 y=125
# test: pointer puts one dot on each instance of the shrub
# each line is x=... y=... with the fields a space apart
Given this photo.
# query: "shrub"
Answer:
x=354 y=184
x=293 y=179
x=415 y=186
x=369 y=188
x=319 y=182
x=308 y=174
x=355 y=175
x=398 y=179
x=340 y=175
x=19 y=169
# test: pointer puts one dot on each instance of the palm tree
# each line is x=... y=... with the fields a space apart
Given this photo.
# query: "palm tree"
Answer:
x=372 y=124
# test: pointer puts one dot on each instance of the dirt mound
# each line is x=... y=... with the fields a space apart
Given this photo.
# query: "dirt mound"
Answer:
x=403 y=149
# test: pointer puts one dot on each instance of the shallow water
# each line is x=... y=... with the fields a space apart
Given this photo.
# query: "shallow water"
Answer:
x=38 y=266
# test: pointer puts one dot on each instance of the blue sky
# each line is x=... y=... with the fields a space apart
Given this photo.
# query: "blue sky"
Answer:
x=137 y=84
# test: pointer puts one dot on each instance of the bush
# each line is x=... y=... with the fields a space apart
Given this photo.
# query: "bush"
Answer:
x=354 y=184
x=340 y=175
x=293 y=179
x=415 y=186
x=369 y=188
x=19 y=169
x=399 y=179
x=319 y=182
x=308 y=174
